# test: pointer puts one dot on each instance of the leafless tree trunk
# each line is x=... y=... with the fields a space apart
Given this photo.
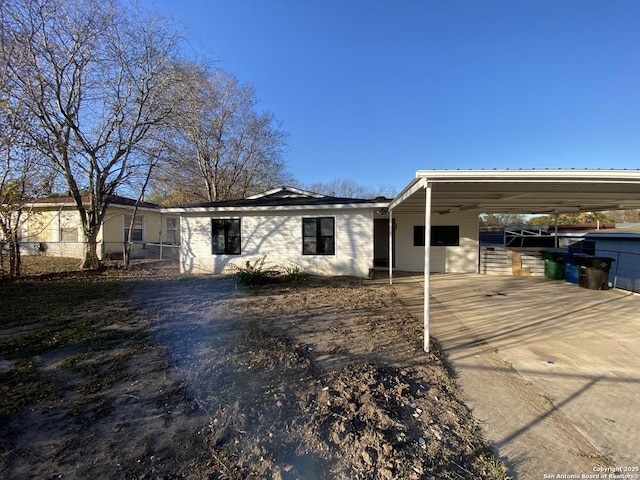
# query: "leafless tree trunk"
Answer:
x=21 y=176
x=95 y=75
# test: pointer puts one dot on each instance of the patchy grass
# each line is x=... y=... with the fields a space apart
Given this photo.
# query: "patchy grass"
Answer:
x=39 y=265
x=60 y=321
x=203 y=379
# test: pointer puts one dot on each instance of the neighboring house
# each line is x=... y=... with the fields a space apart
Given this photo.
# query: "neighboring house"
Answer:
x=53 y=228
x=320 y=234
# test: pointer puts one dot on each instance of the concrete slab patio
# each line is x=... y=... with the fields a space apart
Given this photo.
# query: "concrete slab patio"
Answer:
x=551 y=370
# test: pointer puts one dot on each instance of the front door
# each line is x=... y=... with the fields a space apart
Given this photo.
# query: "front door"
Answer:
x=381 y=242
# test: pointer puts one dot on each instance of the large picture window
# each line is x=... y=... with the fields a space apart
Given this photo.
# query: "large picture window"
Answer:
x=318 y=236
x=226 y=236
x=441 y=236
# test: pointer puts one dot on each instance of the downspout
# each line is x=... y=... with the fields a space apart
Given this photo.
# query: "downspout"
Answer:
x=427 y=262
x=556 y=229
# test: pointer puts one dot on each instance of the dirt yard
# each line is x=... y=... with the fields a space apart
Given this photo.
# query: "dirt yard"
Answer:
x=160 y=376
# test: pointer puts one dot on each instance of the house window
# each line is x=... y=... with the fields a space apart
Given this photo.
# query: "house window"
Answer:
x=226 y=236
x=171 y=230
x=441 y=236
x=68 y=234
x=318 y=236
x=68 y=226
x=137 y=231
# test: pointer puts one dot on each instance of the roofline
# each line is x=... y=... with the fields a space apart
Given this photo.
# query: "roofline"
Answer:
x=415 y=185
x=280 y=189
x=340 y=206
x=34 y=205
x=531 y=175
x=601 y=234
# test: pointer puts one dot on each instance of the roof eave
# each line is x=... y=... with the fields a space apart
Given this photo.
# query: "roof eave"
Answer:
x=280 y=208
x=530 y=175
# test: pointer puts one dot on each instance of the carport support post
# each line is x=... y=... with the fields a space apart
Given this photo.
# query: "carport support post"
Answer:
x=427 y=262
x=390 y=246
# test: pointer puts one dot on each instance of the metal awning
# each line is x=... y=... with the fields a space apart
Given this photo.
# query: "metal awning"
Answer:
x=440 y=192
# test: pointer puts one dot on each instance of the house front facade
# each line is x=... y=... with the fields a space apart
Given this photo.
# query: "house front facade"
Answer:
x=289 y=227
x=321 y=235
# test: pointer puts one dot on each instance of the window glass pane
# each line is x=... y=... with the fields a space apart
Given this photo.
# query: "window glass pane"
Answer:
x=328 y=246
x=309 y=245
x=326 y=226
x=418 y=236
x=309 y=227
x=233 y=245
x=136 y=235
x=69 y=234
x=217 y=228
x=138 y=223
x=218 y=244
x=234 y=227
x=447 y=235
x=171 y=223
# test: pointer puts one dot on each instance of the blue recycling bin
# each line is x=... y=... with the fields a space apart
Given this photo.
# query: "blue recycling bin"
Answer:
x=571 y=270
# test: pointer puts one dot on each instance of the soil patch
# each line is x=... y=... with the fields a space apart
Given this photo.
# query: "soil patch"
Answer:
x=203 y=378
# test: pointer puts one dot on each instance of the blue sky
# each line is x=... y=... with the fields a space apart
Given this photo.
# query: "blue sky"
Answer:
x=374 y=90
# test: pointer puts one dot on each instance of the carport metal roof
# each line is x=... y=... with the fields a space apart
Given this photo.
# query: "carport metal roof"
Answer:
x=522 y=191
x=440 y=192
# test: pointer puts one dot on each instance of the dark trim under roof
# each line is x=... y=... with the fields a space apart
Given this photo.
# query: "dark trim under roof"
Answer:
x=279 y=198
x=113 y=200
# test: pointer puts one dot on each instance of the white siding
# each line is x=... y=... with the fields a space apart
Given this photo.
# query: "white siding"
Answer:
x=460 y=259
x=278 y=235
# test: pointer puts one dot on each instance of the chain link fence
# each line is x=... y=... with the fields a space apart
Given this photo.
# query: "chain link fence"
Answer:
x=106 y=250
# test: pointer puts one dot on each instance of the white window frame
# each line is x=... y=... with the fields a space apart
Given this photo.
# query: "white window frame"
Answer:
x=126 y=222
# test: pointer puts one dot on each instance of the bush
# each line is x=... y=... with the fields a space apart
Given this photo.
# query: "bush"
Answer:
x=260 y=272
x=256 y=273
x=294 y=274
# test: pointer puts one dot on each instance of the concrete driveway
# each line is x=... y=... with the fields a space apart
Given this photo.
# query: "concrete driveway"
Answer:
x=551 y=370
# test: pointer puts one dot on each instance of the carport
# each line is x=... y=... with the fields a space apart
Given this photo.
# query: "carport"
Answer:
x=443 y=192
x=550 y=370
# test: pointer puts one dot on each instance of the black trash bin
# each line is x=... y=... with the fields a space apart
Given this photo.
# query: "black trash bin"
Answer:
x=594 y=271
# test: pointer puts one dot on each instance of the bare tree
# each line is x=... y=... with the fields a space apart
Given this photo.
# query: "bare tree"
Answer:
x=625 y=216
x=342 y=187
x=22 y=176
x=502 y=219
x=95 y=74
x=225 y=148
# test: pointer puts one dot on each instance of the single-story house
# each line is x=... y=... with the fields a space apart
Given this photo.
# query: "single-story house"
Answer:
x=431 y=226
x=53 y=228
x=290 y=227
x=344 y=236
